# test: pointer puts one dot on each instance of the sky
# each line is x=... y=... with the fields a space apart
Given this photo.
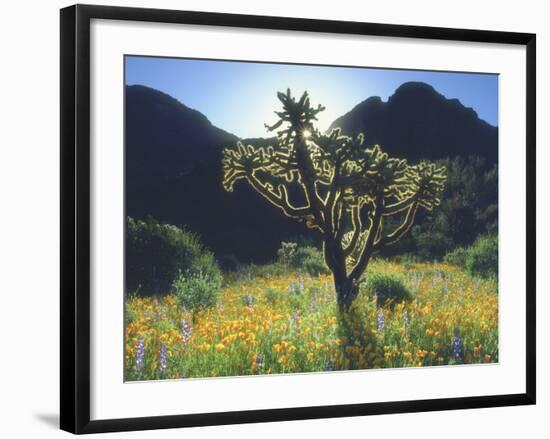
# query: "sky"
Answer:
x=240 y=97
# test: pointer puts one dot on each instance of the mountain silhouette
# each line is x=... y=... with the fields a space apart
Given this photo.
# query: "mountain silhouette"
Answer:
x=417 y=122
x=174 y=173
x=173 y=162
x=166 y=139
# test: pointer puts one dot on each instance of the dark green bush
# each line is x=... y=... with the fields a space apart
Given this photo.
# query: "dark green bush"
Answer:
x=388 y=288
x=482 y=258
x=315 y=265
x=307 y=259
x=302 y=254
x=273 y=296
x=457 y=257
x=195 y=290
x=205 y=263
x=430 y=244
x=156 y=253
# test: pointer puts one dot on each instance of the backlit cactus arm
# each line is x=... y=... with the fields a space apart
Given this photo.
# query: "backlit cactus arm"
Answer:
x=399 y=206
x=401 y=230
x=279 y=198
x=427 y=182
x=368 y=248
x=357 y=228
x=243 y=162
x=240 y=162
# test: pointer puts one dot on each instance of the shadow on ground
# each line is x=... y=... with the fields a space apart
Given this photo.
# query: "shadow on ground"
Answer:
x=49 y=419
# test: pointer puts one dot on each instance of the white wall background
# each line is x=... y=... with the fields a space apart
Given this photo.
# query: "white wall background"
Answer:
x=29 y=206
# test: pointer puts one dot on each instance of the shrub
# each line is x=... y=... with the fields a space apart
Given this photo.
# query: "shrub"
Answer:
x=195 y=290
x=273 y=296
x=286 y=252
x=295 y=302
x=303 y=253
x=307 y=259
x=457 y=257
x=389 y=289
x=482 y=258
x=430 y=244
x=310 y=260
x=156 y=253
x=315 y=265
x=205 y=263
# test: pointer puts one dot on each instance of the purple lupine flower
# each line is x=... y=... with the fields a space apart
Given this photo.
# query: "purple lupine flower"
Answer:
x=300 y=285
x=186 y=332
x=139 y=360
x=405 y=318
x=260 y=360
x=458 y=352
x=163 y=358
x=295 y=317
x=380 y=321
x=249 y=300
x=312 y=306
x=291 y=288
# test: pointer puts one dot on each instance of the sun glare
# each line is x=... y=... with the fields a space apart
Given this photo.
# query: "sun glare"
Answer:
x=306 y=134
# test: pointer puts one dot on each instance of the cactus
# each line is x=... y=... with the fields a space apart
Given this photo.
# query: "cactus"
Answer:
x=349 y=189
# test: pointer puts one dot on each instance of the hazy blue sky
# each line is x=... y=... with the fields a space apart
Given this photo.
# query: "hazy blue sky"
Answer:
x=240 y=97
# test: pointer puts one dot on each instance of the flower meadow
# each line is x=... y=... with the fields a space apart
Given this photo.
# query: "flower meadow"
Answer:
x=285 y=323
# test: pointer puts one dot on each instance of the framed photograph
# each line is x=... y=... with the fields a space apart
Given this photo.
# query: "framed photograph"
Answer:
x=272 y=218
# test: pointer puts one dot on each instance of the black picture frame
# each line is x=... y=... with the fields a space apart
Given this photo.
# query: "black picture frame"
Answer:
x=75 y=217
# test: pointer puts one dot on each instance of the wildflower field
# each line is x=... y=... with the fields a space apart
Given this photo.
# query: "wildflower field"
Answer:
x=289 y=322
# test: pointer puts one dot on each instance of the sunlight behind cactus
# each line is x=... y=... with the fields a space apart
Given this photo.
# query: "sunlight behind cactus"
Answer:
x=348 y=188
